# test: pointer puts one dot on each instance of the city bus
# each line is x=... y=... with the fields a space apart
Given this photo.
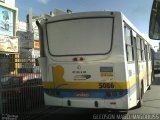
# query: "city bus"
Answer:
x=94 y=60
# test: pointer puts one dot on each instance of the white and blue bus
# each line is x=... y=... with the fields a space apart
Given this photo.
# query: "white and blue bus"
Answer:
x=94 y=60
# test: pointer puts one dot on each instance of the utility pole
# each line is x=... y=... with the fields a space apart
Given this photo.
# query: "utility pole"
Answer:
x=29 y=21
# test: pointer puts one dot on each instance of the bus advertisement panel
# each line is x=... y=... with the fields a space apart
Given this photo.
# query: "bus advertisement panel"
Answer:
x=6 y=21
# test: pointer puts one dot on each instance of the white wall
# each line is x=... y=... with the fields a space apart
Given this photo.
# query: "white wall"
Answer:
x=22 y=26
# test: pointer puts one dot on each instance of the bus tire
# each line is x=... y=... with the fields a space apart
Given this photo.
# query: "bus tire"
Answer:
x=152 y=79
x=140 y=103
x=149 y=88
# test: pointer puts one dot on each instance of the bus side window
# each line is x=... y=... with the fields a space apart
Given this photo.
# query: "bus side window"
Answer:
x=142 y=49
x=149 y=52
x=129 y=44
x=146 y=51
x=139 y=49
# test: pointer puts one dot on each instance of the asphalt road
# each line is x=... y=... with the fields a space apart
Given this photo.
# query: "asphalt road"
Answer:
x=151 y=99
x=151 y=103
x=150 y=109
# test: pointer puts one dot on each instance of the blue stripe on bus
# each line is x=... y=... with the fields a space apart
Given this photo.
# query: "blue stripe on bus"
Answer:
x=86 y=93
x=90 y=93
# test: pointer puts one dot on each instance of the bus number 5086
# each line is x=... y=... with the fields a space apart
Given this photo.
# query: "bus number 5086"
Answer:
x=106 y=85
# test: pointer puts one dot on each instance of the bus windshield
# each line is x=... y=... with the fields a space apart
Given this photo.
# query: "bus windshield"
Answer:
x=85 y=36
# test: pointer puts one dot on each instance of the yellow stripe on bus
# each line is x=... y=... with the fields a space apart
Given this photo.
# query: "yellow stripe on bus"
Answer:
x=60 y=83
x=87 y=85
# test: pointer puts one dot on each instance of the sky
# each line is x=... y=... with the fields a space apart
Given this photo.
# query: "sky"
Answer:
x=137 y=11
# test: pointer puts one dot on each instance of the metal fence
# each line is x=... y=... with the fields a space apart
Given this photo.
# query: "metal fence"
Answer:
x=21 y=90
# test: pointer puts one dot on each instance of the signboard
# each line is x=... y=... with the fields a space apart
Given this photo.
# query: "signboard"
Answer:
x=8 y=44
x=26 y=39
x=6 y=21
x=36 y=44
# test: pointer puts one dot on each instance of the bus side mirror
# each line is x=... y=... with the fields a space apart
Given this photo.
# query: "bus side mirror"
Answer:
x=154 y=27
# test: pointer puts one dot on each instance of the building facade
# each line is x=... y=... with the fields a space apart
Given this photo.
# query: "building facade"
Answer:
x=9 y=42
x=29 y=41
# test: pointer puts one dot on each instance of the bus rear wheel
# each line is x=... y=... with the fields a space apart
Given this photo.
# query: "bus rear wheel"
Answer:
x=140 y=103
x=149 y=88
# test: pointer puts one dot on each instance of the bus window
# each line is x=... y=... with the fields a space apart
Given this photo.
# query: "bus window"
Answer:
x=129 y=44
x=142 y=49
x=138 y=49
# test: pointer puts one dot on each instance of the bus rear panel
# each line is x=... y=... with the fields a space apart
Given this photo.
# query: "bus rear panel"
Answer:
x=85 y=63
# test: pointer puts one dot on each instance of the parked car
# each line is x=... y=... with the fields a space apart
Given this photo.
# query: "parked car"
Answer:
x=18 y=79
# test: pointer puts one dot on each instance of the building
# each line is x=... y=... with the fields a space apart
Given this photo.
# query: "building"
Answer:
x=9 y=43
x=29 y=36
x=29 y=41
x=9 y=2
x=29 y=45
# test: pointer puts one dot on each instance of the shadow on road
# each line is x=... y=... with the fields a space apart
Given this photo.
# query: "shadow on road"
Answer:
x=92 y=114
x=104 y=113
x=80 y=114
